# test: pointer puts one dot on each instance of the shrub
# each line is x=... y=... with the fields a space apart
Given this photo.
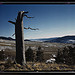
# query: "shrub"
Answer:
x=66 y=56
x=1 y=55
x=8 y=63
x=29 y=54
x=39 y=55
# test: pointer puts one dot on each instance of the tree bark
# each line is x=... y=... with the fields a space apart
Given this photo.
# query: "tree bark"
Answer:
x=19 y=35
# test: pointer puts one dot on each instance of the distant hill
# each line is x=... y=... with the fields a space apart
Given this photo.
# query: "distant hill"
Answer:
x=6 y=38
x=27 y=40
x=65 y=39
x=9 y=38
x=43 y=39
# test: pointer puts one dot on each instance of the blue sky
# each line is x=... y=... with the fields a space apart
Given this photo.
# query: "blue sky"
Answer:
x=52 y=20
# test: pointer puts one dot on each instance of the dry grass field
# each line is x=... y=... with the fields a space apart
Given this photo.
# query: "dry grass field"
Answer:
x=34 y=67
x=48 y=49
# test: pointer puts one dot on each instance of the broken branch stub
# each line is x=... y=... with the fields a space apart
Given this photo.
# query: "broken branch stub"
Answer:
x=12 y=22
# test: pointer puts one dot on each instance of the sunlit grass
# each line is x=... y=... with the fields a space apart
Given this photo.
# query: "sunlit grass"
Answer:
x=35 y=66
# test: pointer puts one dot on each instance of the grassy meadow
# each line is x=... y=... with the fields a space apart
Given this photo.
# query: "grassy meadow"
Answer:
x=48 y=49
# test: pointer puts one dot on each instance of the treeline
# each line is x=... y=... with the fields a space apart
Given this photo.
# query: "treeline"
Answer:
x=67 y=55
x=32 y=55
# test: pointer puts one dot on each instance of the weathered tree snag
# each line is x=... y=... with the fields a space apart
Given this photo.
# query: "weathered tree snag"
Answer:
x=19 y=35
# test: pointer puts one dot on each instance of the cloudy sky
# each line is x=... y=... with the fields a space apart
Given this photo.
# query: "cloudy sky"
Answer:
x=52 y=20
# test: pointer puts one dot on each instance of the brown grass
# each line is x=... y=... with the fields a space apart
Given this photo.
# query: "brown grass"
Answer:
x=35 y=66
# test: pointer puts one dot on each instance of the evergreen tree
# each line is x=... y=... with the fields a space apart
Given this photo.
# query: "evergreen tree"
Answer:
x=29 y=54
x=59 y=57
x=39 y=55
x=71 y=55
x=67 y=56
x=1 y=55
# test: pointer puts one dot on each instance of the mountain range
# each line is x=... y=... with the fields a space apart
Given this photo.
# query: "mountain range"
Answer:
x=64 y=39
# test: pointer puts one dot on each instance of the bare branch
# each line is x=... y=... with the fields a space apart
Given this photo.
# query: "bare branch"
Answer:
x=31 y=28
x=13 y=34
x=28 y=17
x=25 y=28
x=12 y=22
x=35 y=29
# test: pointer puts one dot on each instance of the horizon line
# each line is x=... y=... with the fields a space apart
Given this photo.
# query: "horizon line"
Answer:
x=41 y=37
x=51 y=37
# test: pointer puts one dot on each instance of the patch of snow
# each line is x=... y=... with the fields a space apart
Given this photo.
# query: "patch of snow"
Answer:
x=71 y=41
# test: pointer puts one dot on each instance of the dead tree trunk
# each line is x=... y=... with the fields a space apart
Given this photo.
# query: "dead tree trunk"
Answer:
x=19 y=35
